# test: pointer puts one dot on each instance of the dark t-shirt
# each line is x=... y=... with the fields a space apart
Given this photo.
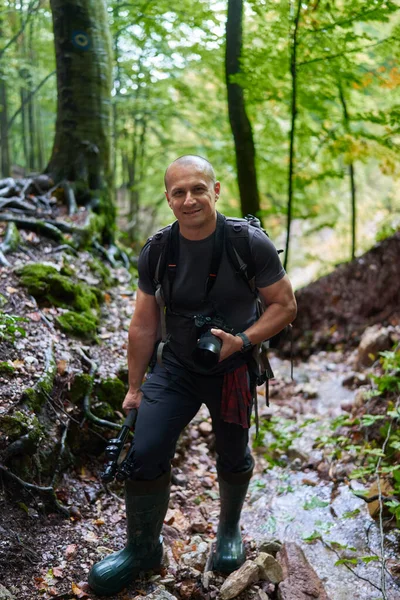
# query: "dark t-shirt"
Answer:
x=230 y=297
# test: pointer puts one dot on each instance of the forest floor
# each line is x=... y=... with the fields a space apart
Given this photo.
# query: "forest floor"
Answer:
x=304 y=496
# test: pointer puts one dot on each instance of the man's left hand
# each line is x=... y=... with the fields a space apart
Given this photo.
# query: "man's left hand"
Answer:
x=230 y=343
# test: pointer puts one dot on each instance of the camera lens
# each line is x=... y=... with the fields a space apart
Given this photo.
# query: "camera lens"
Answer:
x=206 y=353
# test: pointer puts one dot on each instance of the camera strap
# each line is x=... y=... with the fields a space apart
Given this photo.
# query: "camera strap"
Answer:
x=169 y=260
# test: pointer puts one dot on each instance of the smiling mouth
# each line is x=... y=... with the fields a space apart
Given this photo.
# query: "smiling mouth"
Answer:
x=192 y=212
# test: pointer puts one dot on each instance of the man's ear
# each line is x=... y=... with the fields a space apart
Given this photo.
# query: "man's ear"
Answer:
x=217 y=188
x=167 y=197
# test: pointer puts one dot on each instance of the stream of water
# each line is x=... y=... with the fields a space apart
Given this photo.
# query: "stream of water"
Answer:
x=291 y=505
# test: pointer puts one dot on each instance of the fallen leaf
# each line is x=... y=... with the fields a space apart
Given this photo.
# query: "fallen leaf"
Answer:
x=11 y=290
x=91 y=537
x=58 y=572
x=107 y=298
x=99 y=522
x=34 y=316
x=77 y=591
x=18 y=363
x=70 y=551
x=61 y=366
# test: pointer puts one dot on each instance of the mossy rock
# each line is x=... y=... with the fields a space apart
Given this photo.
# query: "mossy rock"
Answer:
x=18 y=424
x=81 y=325
x=44 y=282
x=103 y=410
x=79 y=388
x=100 y=270
x=35 y=397
x=112 y=391
x=6 y=368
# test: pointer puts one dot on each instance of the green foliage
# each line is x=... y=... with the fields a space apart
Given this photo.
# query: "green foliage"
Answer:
x=315 y=502
x=6 y=368
x=9 y=327
x=276 y=435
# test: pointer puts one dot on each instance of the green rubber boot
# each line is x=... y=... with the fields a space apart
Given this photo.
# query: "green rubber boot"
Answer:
x=146 y=505
x=229 y=553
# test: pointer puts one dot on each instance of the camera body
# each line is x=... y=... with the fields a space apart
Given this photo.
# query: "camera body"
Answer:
x=208 y=347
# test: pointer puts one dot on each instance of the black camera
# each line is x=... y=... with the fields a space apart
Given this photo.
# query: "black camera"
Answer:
x=208 y=347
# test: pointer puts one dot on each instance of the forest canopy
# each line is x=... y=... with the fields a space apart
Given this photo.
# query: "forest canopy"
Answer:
x=319 y=85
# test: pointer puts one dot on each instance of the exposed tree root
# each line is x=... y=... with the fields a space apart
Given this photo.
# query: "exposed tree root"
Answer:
x=9 y=243
x=86 y=401
x=47 y=491
x=38 y=226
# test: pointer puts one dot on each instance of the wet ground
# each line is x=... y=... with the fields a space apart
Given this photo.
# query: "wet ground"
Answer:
x=323 y=516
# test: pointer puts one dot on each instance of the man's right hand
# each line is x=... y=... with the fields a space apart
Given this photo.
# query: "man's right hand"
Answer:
x=132 y=400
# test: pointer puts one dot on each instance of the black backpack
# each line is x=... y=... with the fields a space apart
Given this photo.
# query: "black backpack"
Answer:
x=234 y=234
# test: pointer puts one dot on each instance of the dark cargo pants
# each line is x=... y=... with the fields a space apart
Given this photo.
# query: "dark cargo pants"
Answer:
x=171 y=398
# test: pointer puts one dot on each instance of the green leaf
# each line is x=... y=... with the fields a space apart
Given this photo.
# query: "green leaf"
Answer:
x=368 y=559
x=351 y=513
x=346 y=561
x=315 y=502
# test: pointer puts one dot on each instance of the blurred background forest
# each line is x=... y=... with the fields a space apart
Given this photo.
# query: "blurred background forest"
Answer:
x=317 y=85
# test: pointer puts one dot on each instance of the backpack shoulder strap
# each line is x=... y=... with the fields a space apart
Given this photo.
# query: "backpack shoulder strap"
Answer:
x=238 y=250
x=158 y=254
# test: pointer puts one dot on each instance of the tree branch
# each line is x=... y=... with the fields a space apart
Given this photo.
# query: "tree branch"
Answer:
x=332 y=56
x=28 y=98
x=31 y=10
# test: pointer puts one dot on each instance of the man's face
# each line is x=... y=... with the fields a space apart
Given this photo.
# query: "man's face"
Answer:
x=192 y=195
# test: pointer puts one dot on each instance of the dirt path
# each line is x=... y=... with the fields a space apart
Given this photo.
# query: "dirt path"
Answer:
x=49 y=557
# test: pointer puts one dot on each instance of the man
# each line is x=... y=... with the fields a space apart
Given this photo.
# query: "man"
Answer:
x=178 y=385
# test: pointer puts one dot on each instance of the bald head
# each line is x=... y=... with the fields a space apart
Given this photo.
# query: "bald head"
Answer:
x=198 y=163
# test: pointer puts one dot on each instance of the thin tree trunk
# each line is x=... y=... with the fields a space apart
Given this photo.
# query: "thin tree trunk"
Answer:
x=346 y=120
x=292 y=134
x=4 y=139
x=5 y=147
x=31 y=105
x=240 y=124
x=81 y=151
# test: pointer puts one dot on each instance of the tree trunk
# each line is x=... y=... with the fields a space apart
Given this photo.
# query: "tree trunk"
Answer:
x=240 y=124
x=81 y=151
x=4 y=139
x=346 y=121
x=5 y=148
x=292 y=134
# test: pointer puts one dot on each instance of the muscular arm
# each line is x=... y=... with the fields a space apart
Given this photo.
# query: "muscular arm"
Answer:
x=142 y=337
x=280 y=310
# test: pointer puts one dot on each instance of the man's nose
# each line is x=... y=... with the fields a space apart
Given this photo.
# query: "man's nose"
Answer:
x=189 y=198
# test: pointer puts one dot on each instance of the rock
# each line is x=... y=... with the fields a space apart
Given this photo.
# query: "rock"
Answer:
x=199 y=525
x=359 y=397
x=262 y=595
x=197 y=557
x=355 y=380
x=385 y=489
x=270 y=569
x=300 y=580
x=178 y=478
x=270 y=547
x=205 y=428
x=239 y=580
x=375 y=339
x=5 y=594
x=307 y=390
x=158 y=594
